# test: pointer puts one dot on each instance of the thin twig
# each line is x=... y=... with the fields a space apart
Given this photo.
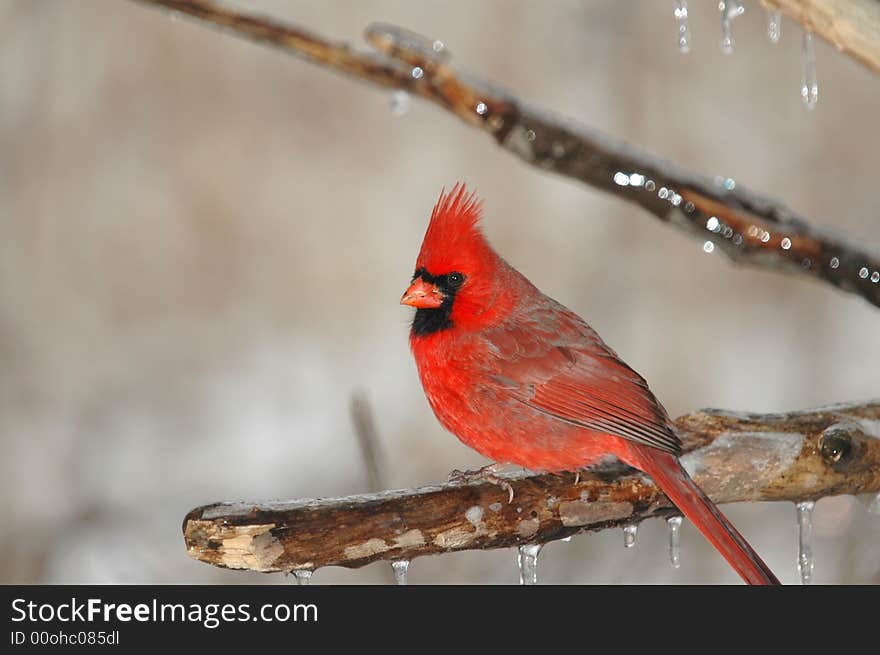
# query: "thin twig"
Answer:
x=733 y=457
x=368 y=439
x=745 y=226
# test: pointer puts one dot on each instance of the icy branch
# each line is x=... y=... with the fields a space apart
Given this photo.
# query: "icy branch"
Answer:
x=852 y=26
x=719 y=212
x=798 y=456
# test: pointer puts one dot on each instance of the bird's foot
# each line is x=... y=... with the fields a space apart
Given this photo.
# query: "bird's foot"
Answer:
x=485 y=474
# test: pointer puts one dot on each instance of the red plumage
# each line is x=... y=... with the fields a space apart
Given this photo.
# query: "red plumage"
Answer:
x=521 y=379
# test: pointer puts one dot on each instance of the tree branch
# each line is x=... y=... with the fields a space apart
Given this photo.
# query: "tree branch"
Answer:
x=733 y=457
x=851 y=26
x=747 y=227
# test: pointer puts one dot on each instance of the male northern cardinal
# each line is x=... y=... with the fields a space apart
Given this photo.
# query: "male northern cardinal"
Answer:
x=523 y=380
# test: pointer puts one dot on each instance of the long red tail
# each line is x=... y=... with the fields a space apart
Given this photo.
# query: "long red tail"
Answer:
x=669 y=475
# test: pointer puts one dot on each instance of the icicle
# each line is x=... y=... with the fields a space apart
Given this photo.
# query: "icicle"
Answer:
x=303 y=576
x=809 y=83
x=729 y=9
x=629 y=535
x=805 y=540
x=400 y=102
x=400 y=567
x=527 y=558
x=684 y=34
x=674 y=523
x=870 y=501
x=774 y=26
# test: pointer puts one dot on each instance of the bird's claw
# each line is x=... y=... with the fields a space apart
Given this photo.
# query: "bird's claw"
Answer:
x=485 y=474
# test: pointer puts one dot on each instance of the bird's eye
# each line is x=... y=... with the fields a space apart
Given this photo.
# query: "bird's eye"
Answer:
x=455 y=279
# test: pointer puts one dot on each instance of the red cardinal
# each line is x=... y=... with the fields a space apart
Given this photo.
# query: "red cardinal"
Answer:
x=523 y=380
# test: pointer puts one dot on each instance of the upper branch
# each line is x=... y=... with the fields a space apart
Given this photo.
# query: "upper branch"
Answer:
x=733 y=457
x=852 y=26
x=746 y=226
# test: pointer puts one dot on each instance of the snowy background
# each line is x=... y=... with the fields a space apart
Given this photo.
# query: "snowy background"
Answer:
x=204 y=242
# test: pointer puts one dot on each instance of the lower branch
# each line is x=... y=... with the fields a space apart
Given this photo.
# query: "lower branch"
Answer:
x=734 y=457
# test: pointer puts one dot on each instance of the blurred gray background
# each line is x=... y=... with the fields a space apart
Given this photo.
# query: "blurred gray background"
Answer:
x=204 y=242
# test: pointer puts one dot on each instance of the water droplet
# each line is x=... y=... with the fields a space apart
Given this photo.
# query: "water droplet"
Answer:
x=650 y=186
x=875 y=277
x=805 y=540
x=474 y=515
x=713 y=224
x=303 y=576
x=730 y=184
x=399 y=567
x=863 y=272
x=806 y=263
x=663 y=193
x=786 y=243
x=527 y=559
x=629 y=535
x=737 y=239
x=400 y=102
x=809 y=83
x=438 y=46
x=417 y=73
x=765 y=236
x=636 y=179
x=674 y=523
x=684 y=35
x=689 y=207
x=729 y=9
x=530 y=135
x=835 y=262
x=482 y=108
x=708 y=247
x=621 y=179
x=774 y=26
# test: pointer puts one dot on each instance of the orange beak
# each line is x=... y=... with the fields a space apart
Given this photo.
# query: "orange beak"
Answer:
x=422 y=295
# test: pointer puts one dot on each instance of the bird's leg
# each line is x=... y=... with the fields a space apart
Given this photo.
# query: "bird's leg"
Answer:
x=485 y=474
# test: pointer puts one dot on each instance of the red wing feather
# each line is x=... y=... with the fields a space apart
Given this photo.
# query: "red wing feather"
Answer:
x=567 y=372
